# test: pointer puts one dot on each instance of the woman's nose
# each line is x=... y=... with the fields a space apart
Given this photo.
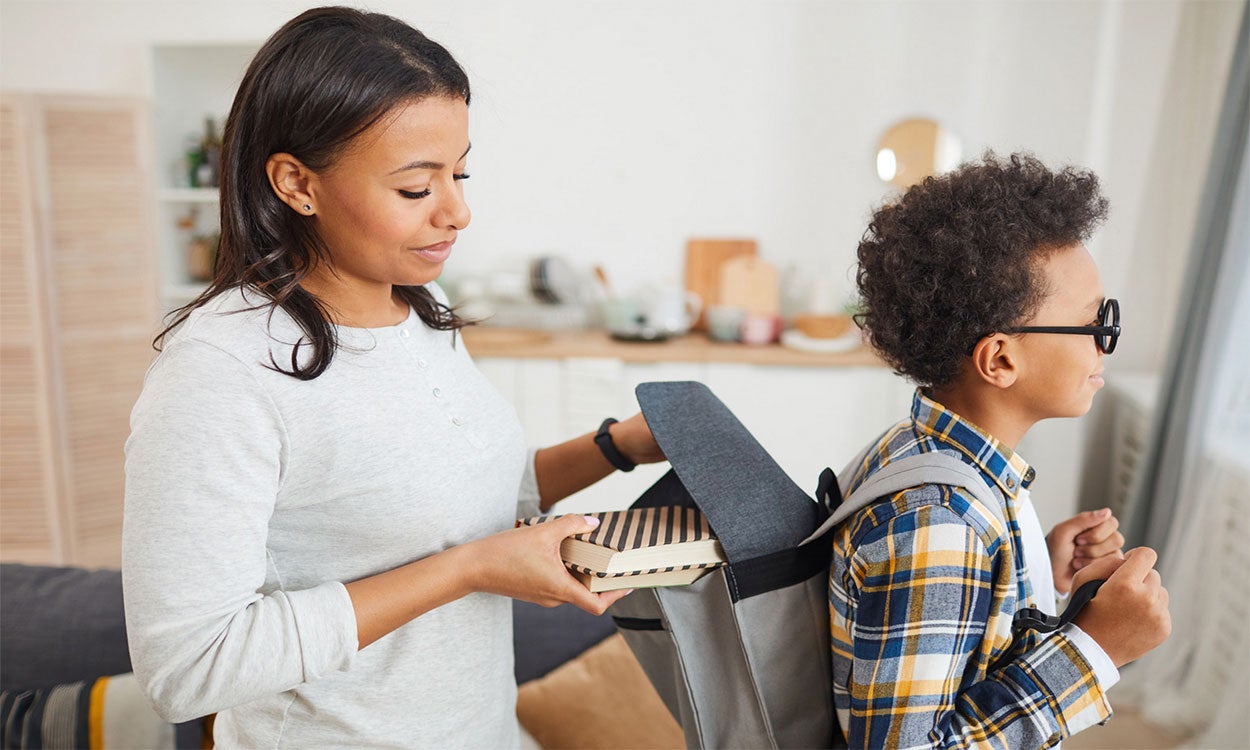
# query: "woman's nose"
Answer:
x=453 y=211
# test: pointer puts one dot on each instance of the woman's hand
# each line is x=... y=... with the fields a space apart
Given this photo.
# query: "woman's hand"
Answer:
x=634 y=440
x=524 y=563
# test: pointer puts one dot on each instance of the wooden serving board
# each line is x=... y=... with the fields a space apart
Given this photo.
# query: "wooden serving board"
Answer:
x=752 y=283
x=704 y=259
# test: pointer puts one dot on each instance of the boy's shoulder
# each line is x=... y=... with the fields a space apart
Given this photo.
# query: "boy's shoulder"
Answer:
x=923 y=506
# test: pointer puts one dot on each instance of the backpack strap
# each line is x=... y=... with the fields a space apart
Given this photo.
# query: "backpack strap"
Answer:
x=937 y=468
x=904 y=474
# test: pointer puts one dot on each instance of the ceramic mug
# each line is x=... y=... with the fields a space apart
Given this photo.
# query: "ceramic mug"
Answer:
x=761 y=329
x=724 y=322
x=671 y=309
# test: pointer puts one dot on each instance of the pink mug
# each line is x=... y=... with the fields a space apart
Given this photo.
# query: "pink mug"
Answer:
x=761 y=329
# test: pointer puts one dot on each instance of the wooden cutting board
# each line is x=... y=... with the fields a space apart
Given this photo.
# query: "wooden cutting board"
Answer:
x=752 y=283
x=704 y=259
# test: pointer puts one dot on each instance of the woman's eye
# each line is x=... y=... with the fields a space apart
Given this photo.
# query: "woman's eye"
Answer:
x=461 y=176
x=414 y=196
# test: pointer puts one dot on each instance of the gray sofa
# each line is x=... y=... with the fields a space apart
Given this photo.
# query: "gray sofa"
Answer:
x=63 y=625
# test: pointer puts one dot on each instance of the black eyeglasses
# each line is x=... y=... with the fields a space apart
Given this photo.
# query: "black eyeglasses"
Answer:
x=1105 y=334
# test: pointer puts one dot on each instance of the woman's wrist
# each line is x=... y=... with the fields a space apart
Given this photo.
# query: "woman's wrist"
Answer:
x=613 y=444
x=470 y=574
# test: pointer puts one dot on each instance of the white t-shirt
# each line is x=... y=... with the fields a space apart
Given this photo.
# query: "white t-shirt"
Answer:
x=1042 y=580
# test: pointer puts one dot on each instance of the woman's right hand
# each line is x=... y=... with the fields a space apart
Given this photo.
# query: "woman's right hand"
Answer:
x=524 y=563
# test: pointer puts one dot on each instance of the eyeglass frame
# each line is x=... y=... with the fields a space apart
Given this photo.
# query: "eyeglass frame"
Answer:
x=1110 y=332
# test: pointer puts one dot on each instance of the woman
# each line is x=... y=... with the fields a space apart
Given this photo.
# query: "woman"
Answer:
x=321 y=487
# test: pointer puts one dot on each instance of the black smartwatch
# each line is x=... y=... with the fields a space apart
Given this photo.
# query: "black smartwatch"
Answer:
x=603 y=439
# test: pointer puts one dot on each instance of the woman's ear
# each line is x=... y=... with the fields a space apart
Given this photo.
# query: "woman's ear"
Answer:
x=292 y=182
x=994 y=360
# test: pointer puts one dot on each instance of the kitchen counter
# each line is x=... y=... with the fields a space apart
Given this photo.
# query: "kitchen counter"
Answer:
x=523 y=343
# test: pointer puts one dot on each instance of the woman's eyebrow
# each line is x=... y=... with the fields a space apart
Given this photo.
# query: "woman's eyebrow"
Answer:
x=428 y=164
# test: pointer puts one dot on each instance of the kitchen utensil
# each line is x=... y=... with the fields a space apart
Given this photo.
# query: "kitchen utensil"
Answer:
x=554 y=281
x=704 y=259
x=752 y=283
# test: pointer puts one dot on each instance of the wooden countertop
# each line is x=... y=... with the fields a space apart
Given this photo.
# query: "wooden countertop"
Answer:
x=494 y=341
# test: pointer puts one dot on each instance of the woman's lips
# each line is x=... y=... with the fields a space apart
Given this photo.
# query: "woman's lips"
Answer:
x=436 y=253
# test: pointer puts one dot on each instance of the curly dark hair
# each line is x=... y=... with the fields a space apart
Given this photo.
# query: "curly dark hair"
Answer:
x=957 y=258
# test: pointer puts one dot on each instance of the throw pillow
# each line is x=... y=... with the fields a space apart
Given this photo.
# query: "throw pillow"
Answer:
x=601 y=699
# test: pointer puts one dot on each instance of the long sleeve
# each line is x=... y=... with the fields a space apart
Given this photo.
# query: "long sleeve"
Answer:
x=923 y=589
x=203 y=470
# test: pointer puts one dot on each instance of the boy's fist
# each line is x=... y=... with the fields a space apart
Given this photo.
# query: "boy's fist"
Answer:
x=1129 y=616
x=1080 y=540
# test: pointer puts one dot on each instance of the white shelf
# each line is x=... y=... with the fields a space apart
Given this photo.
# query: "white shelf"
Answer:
x=189 y=195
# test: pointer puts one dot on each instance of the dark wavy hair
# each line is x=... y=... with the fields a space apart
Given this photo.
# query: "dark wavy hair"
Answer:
x=322 y=79
x=957 y=257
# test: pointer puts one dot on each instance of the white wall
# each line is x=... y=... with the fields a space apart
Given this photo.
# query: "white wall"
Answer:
x=613 y=131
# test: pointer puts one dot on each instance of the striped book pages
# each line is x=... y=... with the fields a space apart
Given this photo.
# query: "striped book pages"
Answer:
x=642 y=541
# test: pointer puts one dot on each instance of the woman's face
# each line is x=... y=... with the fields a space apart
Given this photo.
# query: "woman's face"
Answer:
x=390 y=206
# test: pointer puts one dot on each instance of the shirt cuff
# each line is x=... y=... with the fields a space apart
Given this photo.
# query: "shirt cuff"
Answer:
x=1104 y=670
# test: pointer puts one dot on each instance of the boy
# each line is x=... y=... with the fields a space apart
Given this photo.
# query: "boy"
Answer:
x=976 y=285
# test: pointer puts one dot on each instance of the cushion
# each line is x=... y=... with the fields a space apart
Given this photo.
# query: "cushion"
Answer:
x=543 y=638
x=60 y=625
x=601 y=699
x=109 y=712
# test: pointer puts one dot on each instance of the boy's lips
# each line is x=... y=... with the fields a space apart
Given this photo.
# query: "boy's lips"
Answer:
x=436 y=253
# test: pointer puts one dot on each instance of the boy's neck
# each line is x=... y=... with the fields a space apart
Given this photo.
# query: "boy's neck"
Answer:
x=987 y=410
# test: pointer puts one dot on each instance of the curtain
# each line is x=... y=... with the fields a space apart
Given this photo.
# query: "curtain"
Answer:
x=1193 y=503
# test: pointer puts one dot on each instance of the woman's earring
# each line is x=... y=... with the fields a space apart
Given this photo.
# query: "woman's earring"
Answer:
x=307 y=208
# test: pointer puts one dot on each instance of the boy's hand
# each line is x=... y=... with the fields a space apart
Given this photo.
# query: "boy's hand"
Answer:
x=1080 y=540
x=1129 y=615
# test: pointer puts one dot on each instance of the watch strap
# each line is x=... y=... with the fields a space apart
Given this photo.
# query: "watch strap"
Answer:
x=603 y=439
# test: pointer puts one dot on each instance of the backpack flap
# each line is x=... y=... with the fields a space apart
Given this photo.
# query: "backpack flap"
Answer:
x=751 y=504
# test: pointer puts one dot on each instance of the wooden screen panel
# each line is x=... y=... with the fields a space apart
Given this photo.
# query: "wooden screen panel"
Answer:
x=99 y=217
x=29 y=517
x=104 y=290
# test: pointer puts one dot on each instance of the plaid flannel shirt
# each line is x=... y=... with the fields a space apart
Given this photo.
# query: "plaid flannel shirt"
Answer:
x=922 y=592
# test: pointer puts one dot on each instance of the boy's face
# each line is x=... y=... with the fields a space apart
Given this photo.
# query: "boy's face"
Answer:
x=1060 y=373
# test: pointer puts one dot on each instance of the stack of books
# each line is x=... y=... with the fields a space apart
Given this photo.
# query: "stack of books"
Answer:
x=641 y=548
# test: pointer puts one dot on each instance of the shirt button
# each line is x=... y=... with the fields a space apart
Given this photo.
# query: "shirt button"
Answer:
x=456 y=421
x=422 y=364
x=404 y=333
x=1011 y=482
x=438 y=393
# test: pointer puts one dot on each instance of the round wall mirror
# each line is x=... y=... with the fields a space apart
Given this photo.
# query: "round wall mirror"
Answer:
x=911 y=150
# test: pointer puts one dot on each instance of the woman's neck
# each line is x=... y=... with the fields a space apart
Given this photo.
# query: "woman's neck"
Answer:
x=356 y=305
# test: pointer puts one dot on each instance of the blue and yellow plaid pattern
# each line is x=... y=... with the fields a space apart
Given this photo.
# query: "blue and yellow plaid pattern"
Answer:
x=922 y=592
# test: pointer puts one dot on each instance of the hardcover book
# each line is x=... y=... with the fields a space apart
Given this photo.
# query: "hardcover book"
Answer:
x=640 y=548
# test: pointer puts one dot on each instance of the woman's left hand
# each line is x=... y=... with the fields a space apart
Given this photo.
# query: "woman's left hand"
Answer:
x=633 y=438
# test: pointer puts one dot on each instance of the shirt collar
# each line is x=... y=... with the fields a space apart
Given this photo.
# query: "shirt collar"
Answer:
x=1007 y=468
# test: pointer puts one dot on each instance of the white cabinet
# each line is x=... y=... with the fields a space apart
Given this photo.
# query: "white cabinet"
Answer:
x=806 y=417
x=189 y=84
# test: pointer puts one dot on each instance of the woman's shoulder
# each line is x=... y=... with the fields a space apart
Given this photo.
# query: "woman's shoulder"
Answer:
x=239 y=321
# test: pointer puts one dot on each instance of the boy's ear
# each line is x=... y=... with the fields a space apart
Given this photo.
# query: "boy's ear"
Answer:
x=993 y=360
x=292 y=182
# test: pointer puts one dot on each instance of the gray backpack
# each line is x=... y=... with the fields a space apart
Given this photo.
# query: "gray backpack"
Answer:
x=741 y=656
